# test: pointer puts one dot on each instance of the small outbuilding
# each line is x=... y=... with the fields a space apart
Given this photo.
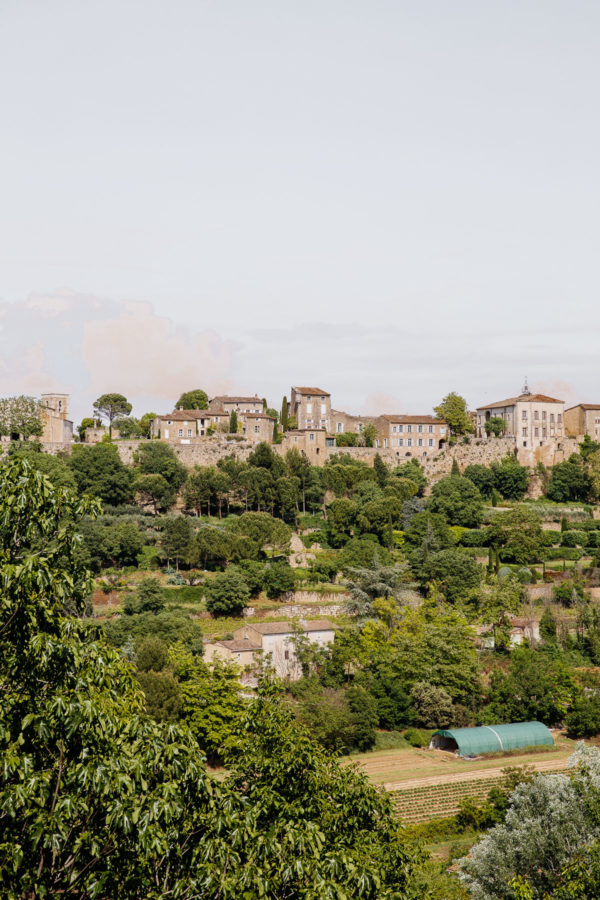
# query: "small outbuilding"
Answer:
x=491 y=738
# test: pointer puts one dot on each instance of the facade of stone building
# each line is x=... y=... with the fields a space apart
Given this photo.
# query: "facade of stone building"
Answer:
x=314 y=443
x=312 y=408
x=413 y=435
x=256 y=426
x=531 y=419
x=345 y=423
x=273 y=641
x=583 y=419
x=186 y=426
x=58 y=428
x=237 y=404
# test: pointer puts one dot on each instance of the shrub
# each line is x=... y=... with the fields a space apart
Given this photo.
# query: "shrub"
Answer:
x=417 y=737
x=227 y=594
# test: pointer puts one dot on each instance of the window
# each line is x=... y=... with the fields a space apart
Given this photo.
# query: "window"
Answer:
x=524 y=415
x=286 y=654
x=420 y=442
x=430 y=442
x=536 y=432
x=167 y=433
x=544 y=415
x=385 y=442
x=442 y=431
x=536 y=415
x=169 y=422
x=189 y=432
x=309 y=409
x=400 y=428
x=552 y=417
x=401 y=442
x=340 y=427
x=323 y=409
x=409 y=428
x=409 y=442
x=180 y=432
x=430 y=429
x=420 y=429
x=544 y=432
x=311 y=437
x=394 y=428
x=524 y=432
x=257 y=429
x=360 y=426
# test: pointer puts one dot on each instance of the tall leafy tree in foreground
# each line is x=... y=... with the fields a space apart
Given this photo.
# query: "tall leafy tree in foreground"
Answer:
x=197 y=399
x=20 y=415
x=110 y=406
x=453 y=410
x=98 y=800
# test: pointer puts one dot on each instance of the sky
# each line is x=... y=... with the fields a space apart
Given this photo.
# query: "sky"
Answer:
x=386 y=199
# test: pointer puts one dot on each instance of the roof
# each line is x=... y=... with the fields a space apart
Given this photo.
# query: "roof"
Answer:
x=584 y=406
x=313 y=391
x=226 y=399
x=261 y=415
x=491 y=738
x=185 y=415
x=287 y=627
x=239 y=644
x=422 y=420
x=522 y=398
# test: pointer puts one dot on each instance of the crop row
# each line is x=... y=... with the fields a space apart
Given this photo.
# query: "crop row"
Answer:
x=438 y=800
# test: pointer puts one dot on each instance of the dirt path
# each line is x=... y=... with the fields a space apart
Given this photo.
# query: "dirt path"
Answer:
x=472 y=775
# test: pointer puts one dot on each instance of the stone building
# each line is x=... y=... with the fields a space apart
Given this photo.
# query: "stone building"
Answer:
x=344 y=423
x=270 y=640
x=256 y=426
x=313 y=443
x=413 y=435
x=58 y=428
x=237 y=404
x=186 y=426
x=583 y=419
x=531 y=419
x=312 y=408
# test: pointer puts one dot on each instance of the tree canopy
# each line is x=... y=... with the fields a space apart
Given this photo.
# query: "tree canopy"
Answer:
x=197 y=399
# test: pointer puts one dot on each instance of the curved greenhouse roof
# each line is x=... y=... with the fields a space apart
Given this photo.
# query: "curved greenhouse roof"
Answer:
x=491 y=738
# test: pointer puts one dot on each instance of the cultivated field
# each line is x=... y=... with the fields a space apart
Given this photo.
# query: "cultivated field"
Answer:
x=429 y=784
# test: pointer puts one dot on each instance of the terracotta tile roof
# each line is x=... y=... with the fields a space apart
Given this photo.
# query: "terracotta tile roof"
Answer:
x=522 y=398
x=226 y=399
x=186 y=415
x=585 y=406
x=287 y=628
x=238 y=645
x=417 y=420
x=312 y=391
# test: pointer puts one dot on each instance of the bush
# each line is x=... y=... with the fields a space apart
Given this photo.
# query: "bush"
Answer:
x=417 y=737
x=278 y=579
x=573 y=539
x=562 y=553
x=227 y=594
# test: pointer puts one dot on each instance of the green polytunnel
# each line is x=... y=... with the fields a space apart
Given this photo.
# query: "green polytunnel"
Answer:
x=491 y=738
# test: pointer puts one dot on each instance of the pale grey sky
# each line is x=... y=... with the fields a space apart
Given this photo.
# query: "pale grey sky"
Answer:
x=388 y=199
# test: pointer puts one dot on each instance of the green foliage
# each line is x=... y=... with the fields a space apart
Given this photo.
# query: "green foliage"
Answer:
x=569 y=480
x=20 y=416
x=158 y=458
x=414 y=472
x=161 y=695
x=109 y=406
x=519 y=532
x=453 y=571
x=197 y=399
x=278 y=579
x=233 y=422
x=227 y=594
x=453 y=411
x=369 y=435
x=482 y=477
x=458 y=500
x=496 y=426
x=569 y=592
x=55 y=467
x=155 y=491
x=150 y=596
x=433 y=705
x=98 y=470
x=169 y=625
x=347 y=439
x=152 y=655
x=510 y=479
x=83 y=426
x=417 y=737
x=110 y=542
x=176 y=537
x=536 y=687
x=127 y=426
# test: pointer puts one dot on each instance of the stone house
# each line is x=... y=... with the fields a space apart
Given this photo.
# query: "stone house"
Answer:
x=312 y=408
x=344 y=423
x=310 y=442
x=237 y=404
x=583 y=419
x=270 y=640
x=531 y=419
x=257 y=426
x=186 y=426
x=58 y=428
x=413 y=435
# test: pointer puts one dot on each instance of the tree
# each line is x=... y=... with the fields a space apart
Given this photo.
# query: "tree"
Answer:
x=535 y=687
x=412 y=470
x=496 y=426
x=499 y=599
x=157 y=458
x=109 y=406
x=458 y=500
x=154 y=490
x=366 y=585
x=127 y=426
x=176 y=538
x=453 y=411
x=299 y=467
x=482 y=478
x=227 y=594
x=548 y=824
x=197 y=399
x=455 y=573
x=381 y=470
x=98 y=470
x=278 y=579
x=433 y=705
x=284 y=414
x=20 y=417
x=146 y=423
x=233 y=422
x=369 y=434
x=510 y=479
x=570 y=480
x=519 y=532
x=82 y=428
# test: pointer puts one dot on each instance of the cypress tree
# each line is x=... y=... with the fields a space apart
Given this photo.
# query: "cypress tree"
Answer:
x=233 y=422
x=455 y=468
x=284 y=414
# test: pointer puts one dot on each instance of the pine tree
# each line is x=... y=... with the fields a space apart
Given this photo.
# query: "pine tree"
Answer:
x=455 y=468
